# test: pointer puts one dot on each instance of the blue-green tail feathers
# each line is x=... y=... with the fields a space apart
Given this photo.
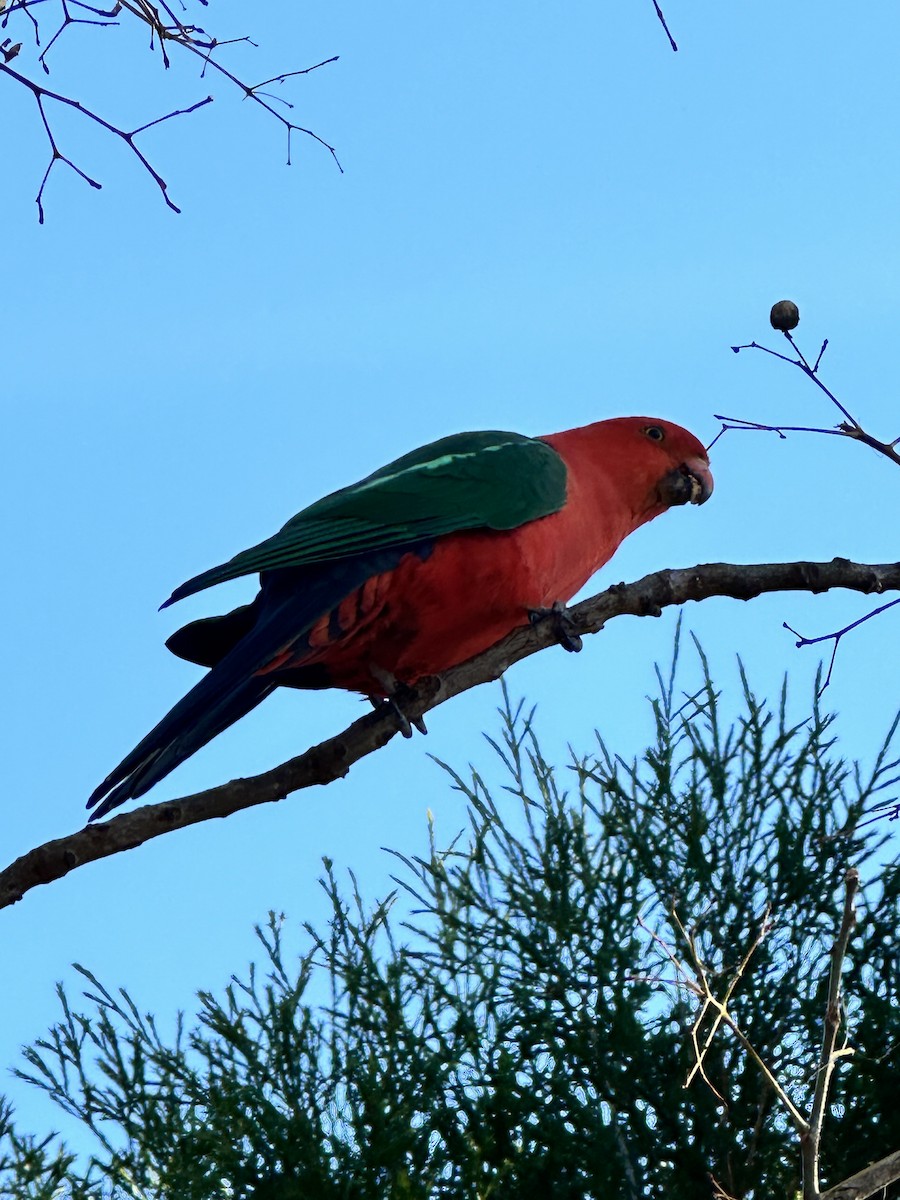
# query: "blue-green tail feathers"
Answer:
x=237 y=647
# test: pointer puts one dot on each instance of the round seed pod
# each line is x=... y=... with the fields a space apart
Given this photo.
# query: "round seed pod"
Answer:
x=785 y=315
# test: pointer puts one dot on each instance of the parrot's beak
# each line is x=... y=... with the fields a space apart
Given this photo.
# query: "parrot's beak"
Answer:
x=689 y=483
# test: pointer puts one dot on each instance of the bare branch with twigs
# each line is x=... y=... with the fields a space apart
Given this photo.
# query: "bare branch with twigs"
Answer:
x=849 y=427
x=693 y=977
x=836 y=636
x=720 y=1007
x=166 y=29
x=42 y=95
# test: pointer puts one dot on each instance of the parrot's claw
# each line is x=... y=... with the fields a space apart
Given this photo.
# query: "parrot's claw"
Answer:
x=561 y=623
x=405 y=724
x=403 y=721
x=397 y=693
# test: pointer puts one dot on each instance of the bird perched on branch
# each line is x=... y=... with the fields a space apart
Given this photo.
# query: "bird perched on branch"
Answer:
x=416 y=568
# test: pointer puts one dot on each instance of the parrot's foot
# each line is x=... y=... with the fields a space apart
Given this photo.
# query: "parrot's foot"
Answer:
x=397 y=694
x=405 y=723
x=561 y=623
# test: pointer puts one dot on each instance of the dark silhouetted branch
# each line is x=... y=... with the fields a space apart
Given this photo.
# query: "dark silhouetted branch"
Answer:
x=836 y=636
x=849 y=427
x=662 y=21
x=166 y=29
x=42 y=94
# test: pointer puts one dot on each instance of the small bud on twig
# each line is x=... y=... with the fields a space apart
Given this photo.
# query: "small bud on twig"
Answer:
x=785 y=315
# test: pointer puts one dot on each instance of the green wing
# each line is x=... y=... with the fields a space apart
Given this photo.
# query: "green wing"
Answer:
x=488 y=480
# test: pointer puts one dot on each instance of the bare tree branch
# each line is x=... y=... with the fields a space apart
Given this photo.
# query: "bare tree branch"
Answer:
x=836 y=636
x=694 y=978
x=703 y=991
x=333 y=758
x=810 y=1141
x=874 y=1178
x=165 y=29
x=662 y=21
x=42 y=94
x=849 y=427
x=784 y=317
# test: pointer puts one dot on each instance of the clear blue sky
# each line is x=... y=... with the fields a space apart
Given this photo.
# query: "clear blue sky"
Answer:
x=547 y=217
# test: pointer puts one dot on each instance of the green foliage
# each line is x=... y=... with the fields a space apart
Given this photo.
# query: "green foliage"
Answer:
x=516 y=1029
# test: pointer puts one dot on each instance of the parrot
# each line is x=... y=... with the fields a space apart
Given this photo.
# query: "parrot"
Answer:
x=417 y=568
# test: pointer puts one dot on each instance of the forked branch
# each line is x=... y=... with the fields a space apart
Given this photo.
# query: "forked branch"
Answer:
x=836 y=636
x=693 y=977
x=166 y=30
x=848 y=427
x=784 y=317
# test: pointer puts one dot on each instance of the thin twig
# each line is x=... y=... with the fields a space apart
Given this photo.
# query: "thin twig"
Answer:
x=41 y=94
x=165 y=28
x=105 y=21
x=721 y=1005
x=724 y=1017
x=836 y=636
x=745 y=426
x=662 y=21
x=887 y=810
x=810 y=1143
x=850 y=427
x=290 y=74
x=697 y=982
x=719 y=1192
x=182 y=36
x=698 y=988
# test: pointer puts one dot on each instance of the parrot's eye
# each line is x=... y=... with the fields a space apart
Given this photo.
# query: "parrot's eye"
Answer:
x=655 y=433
